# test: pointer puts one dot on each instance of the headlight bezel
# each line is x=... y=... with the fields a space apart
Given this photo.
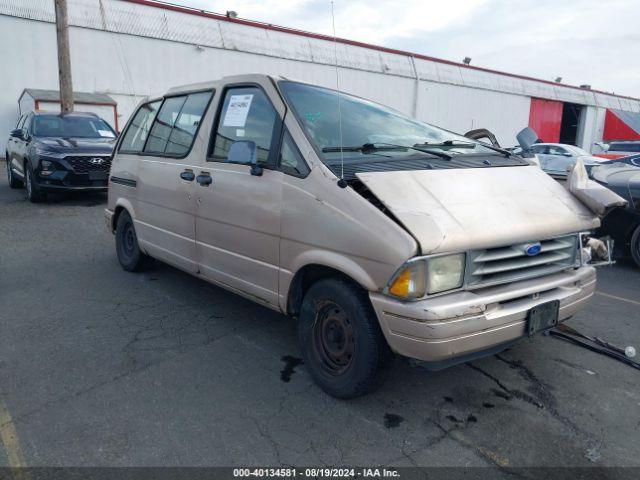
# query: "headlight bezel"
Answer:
x=47 y=154
x=423 y=263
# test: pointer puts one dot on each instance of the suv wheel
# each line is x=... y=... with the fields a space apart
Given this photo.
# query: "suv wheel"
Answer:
x=129 y=254
x=34 y=195
x=635 y=245
x=13 y=181
x=340 y=338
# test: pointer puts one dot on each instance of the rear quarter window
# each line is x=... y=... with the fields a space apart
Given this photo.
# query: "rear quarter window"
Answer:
x=138 y=130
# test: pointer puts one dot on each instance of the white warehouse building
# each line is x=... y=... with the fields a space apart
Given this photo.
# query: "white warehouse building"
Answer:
x=130 y=49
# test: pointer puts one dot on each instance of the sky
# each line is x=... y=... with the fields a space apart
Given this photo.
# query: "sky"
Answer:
x=595 y=42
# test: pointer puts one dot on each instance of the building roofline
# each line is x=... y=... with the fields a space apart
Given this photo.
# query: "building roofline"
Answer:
x=268 y=26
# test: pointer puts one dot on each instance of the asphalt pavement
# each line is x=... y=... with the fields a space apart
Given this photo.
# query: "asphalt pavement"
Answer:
x=101 y=367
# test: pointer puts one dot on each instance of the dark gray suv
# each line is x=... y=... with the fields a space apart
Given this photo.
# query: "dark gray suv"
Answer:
x=53 y=152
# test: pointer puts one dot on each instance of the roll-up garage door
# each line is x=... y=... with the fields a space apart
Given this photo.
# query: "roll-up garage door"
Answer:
x=545 y=117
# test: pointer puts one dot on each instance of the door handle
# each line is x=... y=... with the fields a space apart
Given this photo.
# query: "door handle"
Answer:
x=187 y=175
x=204 y=180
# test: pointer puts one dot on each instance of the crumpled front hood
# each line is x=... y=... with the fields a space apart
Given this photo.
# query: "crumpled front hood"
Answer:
x=76 y=145
x=455 y=210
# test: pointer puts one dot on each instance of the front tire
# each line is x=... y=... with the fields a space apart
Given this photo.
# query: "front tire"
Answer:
x=340 y=338
x=635 y=246
x=131 y=258
x=13 y=181
x=34 y=195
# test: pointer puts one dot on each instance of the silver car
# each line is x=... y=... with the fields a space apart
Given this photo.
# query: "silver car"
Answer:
x=557 y=158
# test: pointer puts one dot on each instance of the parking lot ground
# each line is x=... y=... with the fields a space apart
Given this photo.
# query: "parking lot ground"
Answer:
x=100 y=367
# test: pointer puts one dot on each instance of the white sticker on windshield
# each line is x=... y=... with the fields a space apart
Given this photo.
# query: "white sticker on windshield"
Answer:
x=106 y=133
x=237 y=111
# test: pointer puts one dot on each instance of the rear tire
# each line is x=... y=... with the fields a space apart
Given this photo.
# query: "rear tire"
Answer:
x=340 y=338
x=13 y=181
x=635 y=246
x=34 y=195
x=131 y=258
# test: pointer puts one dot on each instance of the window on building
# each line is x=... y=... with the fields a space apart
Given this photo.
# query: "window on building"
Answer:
x=247 y=114
x=138 y=130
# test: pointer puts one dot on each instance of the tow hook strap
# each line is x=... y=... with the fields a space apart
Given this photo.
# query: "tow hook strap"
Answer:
x=597 y=345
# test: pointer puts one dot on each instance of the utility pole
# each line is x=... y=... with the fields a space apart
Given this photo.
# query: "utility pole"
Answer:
x=64 y=59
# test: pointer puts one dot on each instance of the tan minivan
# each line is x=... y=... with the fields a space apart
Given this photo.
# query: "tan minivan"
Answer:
x=378 y=232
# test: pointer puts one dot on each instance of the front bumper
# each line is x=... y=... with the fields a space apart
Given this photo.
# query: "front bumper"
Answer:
x=464 y=324
x=62 y=180
x=77 y=172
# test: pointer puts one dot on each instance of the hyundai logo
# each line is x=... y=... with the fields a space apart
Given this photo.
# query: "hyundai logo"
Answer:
x=97 y=161
x=532 y=249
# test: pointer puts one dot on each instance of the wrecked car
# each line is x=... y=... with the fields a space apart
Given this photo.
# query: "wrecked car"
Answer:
x=556 y=158
x=623 y=225
x=377 y=232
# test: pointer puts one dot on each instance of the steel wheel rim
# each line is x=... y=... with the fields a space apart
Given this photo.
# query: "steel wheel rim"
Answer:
x=333 y=338
x=128 y=240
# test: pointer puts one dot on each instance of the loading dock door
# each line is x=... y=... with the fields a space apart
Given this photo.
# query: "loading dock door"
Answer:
x=545 y=117
x=571 y=114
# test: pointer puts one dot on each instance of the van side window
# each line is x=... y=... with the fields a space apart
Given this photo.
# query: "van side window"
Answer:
x=291 y=161
x=138 y=130
x=163 y=124
x=186 y=125
x=247 y=114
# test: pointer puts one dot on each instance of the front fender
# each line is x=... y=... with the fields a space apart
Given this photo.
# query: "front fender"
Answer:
x=338 y=262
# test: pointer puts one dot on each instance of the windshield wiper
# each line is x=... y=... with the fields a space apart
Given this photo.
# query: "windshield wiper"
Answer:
x=448 y=143
x=368 y=148
x=463 y=144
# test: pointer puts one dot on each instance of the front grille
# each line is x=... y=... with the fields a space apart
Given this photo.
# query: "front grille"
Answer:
x=507 y=264
x=88 y=164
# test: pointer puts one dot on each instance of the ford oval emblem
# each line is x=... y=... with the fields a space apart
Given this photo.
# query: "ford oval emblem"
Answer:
x=532 y=249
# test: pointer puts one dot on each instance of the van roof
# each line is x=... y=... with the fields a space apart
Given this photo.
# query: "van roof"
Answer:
x=248 y=78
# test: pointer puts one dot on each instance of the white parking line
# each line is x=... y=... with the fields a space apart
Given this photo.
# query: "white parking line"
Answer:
x=9 y=439
x=615 y=297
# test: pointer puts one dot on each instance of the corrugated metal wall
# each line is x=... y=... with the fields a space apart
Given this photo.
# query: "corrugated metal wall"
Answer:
x=130 y=50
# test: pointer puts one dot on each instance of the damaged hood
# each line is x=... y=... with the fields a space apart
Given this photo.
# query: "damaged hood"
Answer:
x=455 y=210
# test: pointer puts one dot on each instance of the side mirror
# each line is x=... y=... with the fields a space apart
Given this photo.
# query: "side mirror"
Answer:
x=566 y=154
x=246 y=152
x=17 y=133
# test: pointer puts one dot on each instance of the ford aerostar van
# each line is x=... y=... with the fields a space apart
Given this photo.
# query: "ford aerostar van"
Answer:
x=379 y=233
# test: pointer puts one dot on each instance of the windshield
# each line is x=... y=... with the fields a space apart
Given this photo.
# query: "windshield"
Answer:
x=365 y=122
x=71 y=127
